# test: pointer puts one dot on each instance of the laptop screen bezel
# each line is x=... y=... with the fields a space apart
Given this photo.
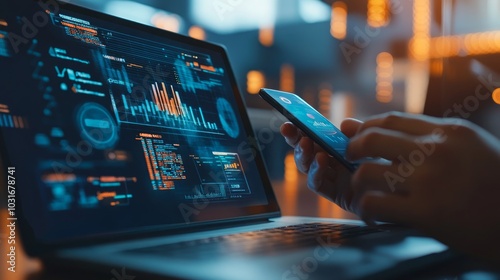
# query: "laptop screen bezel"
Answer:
x=36 y=247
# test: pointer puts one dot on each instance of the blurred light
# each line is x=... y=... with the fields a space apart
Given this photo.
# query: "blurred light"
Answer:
x=416 y=85
x=131 y=10
x=312 y=11
x=465 y=45
x=480 y=43
x=338 y=25
x=231 y=16
x=166 y=21
x=255 y=81
x=378 y=13
x=266 y=36
x=324 y=207
x=342 y=106
x=496 y=96
x=197 y=33
x=325 y=99
x=144 y=14
x=437 y=67
x=291 y=173
x=420 y=43
x=3 y=22
x=287 y=78
x=385 y=72
x=445 y=46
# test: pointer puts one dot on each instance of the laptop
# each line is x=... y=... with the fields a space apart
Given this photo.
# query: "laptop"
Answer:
x=129 y=152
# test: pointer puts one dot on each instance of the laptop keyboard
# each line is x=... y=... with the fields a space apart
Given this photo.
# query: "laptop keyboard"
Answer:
x=267 y=241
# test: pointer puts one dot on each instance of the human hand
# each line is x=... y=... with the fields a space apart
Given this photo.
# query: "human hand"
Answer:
x=326 y=176
x=443 y=178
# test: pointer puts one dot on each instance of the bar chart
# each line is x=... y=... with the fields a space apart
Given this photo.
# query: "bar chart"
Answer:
x=164 y=107
x=8 y=120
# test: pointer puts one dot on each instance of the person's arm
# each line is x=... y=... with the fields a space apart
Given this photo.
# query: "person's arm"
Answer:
x=443 y=178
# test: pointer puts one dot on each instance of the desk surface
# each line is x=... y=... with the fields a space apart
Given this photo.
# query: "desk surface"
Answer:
x=294 y=199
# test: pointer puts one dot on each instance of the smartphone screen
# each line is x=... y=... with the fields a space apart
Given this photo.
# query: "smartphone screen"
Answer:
x=311 y=122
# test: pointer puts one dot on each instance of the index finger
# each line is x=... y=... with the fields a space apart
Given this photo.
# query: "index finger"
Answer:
x=350 y=126
x=291 y=133
x=407 y=123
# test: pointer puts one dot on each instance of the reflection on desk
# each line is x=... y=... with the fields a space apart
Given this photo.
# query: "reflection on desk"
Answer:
x=295 y=199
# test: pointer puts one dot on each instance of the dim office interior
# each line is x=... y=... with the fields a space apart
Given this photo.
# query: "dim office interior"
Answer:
x=347 y=58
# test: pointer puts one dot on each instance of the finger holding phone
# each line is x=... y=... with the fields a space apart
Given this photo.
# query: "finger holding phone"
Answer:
x=450 y=193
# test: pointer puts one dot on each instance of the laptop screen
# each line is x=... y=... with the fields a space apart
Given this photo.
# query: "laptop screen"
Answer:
x=110 y=126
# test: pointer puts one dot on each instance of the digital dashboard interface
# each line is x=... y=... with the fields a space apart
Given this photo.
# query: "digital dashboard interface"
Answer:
x=112 y=128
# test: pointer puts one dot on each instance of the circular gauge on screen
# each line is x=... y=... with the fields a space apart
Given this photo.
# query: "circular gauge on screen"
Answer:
x=228 y=118
x=97 y=126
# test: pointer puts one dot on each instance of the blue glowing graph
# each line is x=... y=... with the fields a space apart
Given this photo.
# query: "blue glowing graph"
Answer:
x=163 y=108
x=115 y=76
x=188 y=73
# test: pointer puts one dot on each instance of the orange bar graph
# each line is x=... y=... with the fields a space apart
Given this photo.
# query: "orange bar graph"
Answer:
x=87 y=29
x=154 y=96
x=68 y=24
x=177 y=100
x=180 y=104
x=164 y=100
x=208 y=68
x=160 y=98
x=4 y=109
x=173 y=105
x=231 y=166
x=170 y=109
x=59 y=177
x=103 y=195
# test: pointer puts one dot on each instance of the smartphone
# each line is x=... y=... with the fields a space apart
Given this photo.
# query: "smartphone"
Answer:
x=311 y=122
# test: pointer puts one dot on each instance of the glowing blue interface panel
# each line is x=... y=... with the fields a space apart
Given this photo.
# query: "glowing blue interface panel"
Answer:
x=313 y=120
x=112 y=128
